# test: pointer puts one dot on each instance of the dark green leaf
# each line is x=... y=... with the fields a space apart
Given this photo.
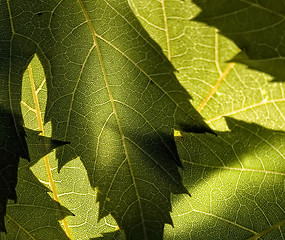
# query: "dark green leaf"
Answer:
x=255 y=26
x=39 y=146
x=114 y=96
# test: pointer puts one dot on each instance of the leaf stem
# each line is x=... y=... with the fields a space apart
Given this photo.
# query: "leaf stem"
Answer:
x=267 y=230
x=20 y=226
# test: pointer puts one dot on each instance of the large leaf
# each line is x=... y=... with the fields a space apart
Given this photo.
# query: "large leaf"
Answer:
x=237 y=185
x=71 y=187
x=113 y=95
x=256 y=27
x=236 y=179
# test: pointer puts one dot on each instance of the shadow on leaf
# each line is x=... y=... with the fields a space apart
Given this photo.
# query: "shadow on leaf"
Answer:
x=236 y=181
x=256 y=27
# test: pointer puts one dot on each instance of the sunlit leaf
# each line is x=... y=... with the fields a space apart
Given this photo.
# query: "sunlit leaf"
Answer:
x=219 y=88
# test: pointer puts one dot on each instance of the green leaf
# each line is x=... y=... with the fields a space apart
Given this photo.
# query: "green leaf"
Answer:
x=220 y=89
x=12 y=135
x=11 y=149
x=255 y=26
x=113 y=95
x=36 y=214
x=40 y=206
x=117 y=235
x=236 y=181
x=71 y=187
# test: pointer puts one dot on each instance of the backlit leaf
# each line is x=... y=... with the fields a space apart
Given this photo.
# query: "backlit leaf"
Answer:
x=113 y=95
x=255 y=26
x=227 y=202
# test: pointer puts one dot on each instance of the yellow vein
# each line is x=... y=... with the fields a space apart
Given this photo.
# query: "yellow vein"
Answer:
x=245 y=109
x=216 y=86
x=267 y=230
x=145 y=74
x=20 y=226
x=263 y=8
x=232 y=168
x=74 y=90
x=28 y=107
x=41 y=127
x=166 y=29
x=225 y=220
x=10 y=17
x=217 y=52
x=94 y=35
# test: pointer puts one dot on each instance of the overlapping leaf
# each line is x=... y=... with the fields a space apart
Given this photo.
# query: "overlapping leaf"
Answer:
x=220 y=89
x=114 y=96
x=12 y=136
x=237 y=185
x=70 y=187
x=11 y=150
x=35 y=215
x=255 y=26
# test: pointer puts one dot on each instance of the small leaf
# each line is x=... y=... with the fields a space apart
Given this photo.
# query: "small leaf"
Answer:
x=10 y=161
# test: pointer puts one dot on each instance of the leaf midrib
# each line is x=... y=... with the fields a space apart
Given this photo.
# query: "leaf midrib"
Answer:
x=21 y=227
x=261 y=103
x=94 y=35
x=46 y=159
x=166 y=29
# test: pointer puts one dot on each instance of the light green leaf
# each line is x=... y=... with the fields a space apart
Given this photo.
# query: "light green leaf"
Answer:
x=35 y=214
x=227 y=202
x=237 y=184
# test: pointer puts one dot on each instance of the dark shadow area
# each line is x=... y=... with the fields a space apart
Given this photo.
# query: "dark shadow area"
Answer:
x=12 y=147
x=15 y=143
x=117 y=235
x=256 y=28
